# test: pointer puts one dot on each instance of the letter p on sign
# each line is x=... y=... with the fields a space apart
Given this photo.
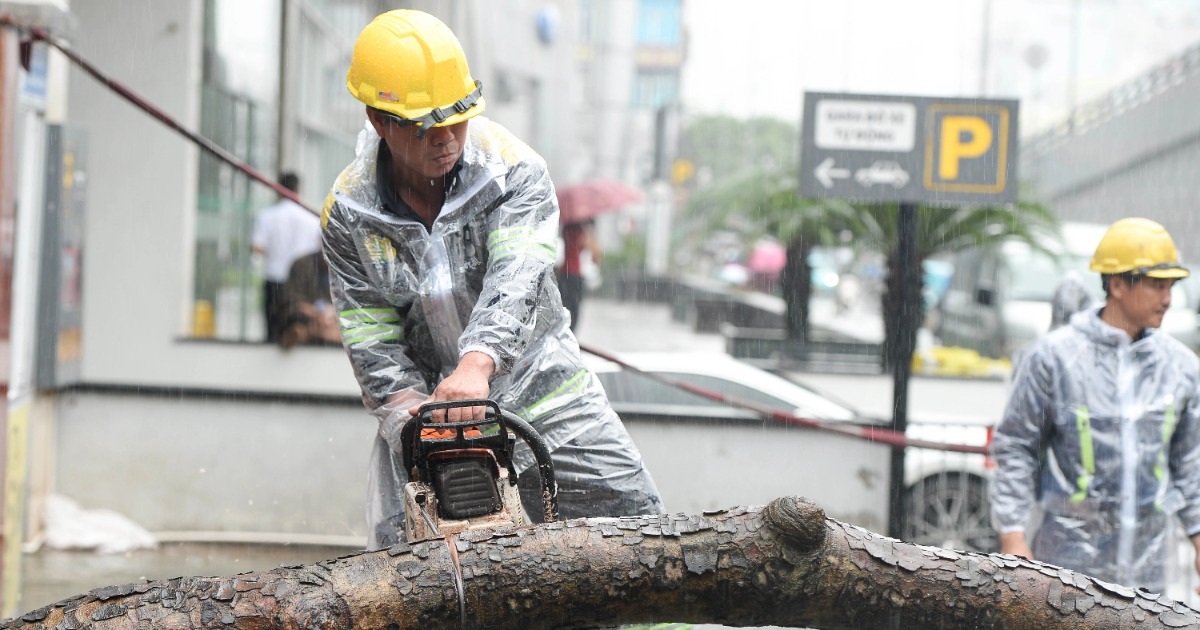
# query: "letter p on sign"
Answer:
x=963 y=137
x=966 y=148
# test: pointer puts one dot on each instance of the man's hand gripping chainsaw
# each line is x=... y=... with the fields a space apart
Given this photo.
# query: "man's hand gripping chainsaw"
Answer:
x=461 y=473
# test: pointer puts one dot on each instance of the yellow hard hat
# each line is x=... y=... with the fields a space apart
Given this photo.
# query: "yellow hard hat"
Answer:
x=1139 y=246
x=409 y=64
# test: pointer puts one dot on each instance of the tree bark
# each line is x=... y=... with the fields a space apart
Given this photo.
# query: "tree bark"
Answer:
x=784 y=564
x=896 y=294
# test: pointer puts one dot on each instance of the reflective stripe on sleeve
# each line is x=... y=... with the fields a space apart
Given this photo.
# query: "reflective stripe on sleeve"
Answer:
x=563 y=394
x=521 y=240
x=1086 y=457
x=370 y=324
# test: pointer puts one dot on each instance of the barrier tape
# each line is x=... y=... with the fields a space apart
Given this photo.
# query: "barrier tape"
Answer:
x=870 y=434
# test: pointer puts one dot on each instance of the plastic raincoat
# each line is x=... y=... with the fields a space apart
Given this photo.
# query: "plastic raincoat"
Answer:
x=1103 y=433
x=411 y=301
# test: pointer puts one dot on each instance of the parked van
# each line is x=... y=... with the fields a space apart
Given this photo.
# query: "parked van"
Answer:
x=999 y=298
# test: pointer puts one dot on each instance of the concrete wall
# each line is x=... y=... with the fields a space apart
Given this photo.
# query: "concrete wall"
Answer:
x=1139 y=161
x=141 y=214
x=221 y=466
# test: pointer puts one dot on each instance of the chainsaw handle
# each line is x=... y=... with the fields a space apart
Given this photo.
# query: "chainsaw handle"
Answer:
x=424 y=413
x=411 y=433
x=545 y=465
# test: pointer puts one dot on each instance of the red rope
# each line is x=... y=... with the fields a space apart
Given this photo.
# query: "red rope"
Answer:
x=870 y=434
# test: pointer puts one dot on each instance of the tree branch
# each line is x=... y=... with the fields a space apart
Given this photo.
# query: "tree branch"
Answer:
x=784 y=564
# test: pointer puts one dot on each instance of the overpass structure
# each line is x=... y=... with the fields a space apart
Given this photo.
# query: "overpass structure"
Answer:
x=1133 y=152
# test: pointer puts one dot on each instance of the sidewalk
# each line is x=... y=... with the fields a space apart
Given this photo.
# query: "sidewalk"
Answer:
x=619 y=326
x=628 y=326
x=49 y=575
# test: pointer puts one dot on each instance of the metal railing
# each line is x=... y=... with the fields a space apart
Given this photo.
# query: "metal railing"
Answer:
x=1117 y=101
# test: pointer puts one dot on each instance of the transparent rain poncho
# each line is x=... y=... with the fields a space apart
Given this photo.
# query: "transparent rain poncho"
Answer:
x=412 y=300
x=437 y=299
x=1103 y=434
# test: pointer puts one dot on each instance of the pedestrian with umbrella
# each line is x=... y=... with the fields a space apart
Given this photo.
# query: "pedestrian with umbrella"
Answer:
x=578 y=206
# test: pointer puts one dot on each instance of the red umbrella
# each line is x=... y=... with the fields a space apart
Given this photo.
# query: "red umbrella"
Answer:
x=582 y=202
x=768 y=258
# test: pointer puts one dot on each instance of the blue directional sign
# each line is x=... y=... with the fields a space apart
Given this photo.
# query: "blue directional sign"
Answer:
x=910 y=149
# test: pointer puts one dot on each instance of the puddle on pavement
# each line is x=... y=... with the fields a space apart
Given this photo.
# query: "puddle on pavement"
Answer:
x=48 y=575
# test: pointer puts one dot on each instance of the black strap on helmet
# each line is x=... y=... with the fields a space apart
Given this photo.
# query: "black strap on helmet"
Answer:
x=437 y=115
x=1142 y=271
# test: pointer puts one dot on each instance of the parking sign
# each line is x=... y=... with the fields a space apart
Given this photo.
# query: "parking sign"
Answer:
x=908 y=149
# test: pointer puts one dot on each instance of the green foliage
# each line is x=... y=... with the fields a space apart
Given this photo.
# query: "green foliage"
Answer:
x=753 y=192
x=730 y=147
x=631 y=256
x=947 y=230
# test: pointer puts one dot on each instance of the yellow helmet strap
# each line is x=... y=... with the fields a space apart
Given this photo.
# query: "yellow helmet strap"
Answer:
x=439 y=114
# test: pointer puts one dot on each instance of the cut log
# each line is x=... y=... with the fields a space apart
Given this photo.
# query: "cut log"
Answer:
x=784 y=564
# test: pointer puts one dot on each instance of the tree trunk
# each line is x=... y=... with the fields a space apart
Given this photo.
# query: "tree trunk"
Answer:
x=796 y=287
x=895 y=297
x=784 y=564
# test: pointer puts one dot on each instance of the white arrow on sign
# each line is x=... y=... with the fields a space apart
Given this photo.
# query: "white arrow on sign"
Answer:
x=826 y=173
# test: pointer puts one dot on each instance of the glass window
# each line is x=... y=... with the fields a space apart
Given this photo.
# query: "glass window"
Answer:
x=239 y=112
x=659 y=23
x=655 y=89
x=310 y=129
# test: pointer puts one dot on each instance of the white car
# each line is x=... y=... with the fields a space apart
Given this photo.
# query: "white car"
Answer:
x=882 y=172
x=707 y=455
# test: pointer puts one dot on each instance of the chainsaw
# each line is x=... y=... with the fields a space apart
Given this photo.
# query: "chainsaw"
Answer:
x=461 y=474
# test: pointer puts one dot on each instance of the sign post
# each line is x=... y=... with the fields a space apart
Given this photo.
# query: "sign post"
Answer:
x=907 y=150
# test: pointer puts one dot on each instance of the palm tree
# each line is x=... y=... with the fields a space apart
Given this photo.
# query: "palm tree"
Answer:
x=762 y=204
x=767 y=203
x=757 y=196
x=940 y=230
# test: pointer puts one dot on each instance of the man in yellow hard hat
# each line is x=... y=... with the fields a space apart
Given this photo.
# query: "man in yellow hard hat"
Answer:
x=1103 y=426
x=441 y=241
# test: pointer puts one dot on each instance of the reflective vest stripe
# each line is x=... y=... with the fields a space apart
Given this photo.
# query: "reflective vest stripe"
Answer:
x=514 y=241
x=1168 y=430
x=376 y=314
x=555 y=399
x=370 y=324
x=1086 y=457
x=372 y=332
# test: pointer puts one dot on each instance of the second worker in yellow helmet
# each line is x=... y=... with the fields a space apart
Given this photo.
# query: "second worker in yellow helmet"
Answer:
x=1102 y=430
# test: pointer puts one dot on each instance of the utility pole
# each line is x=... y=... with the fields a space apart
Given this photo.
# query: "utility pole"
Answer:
x=985 y=47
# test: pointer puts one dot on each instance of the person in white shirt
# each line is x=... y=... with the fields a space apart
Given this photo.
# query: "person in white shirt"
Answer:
x=283 y=232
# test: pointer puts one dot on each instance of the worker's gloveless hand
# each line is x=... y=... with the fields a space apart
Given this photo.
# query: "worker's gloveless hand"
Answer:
x=1014 y=543
x=469 y=380
x=1196 y=546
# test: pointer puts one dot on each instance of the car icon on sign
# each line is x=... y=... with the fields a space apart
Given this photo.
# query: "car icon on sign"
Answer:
x=882 y=172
